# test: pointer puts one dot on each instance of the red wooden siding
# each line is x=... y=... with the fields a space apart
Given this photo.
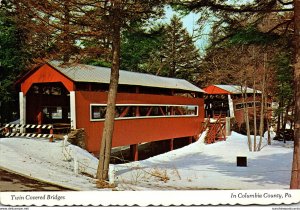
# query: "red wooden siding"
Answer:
x=239 y=113
x=133 y=131
x=127 y=131
x=46 y=74
x=215 y=90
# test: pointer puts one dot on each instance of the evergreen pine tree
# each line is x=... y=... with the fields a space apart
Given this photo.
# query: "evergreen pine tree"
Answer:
x=138 y=44
x=179 y=56
x=12 y=59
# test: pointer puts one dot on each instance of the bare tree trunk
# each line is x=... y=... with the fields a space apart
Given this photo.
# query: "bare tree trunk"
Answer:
x=269 y=132
x=284 y=120
x=286 y=114
x=266 y=106
x=261 y=124
x=279 y=118
x=262 y=111
x=295 y=177
x=266 y=116
x=293 y=114
x=254 y=115
x=285 y=117
x=282 y=117
x=107 y=135
x=246 y=116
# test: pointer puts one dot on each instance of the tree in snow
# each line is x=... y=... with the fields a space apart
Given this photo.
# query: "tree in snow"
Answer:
x=253 y=11
x=295 y=179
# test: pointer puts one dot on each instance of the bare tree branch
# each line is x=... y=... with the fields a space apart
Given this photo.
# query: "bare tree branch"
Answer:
x=262 y=7
x=287 y=23
x=285 y=3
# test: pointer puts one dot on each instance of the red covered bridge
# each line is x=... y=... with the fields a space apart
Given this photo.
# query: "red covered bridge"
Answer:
x=227 y=100
x=148 y=108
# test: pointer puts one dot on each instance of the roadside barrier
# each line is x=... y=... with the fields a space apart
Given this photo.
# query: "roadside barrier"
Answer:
x=28 y=126
x=19 y=130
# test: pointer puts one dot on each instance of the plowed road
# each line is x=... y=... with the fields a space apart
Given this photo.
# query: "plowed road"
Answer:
x=13 y=182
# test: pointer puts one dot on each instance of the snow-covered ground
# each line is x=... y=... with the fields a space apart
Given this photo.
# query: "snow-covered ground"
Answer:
x=196 y=166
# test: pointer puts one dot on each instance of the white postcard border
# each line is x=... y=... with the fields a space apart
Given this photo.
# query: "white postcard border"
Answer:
x=146 y=198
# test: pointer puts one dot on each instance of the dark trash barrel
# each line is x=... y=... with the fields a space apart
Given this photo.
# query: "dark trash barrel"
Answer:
x=241 y=161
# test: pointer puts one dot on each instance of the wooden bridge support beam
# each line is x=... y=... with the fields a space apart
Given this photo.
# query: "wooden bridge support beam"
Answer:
x=171 y=144
x=190 y=139
x=134 y=152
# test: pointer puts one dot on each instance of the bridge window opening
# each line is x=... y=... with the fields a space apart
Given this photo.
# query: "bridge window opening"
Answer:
x=132 y=111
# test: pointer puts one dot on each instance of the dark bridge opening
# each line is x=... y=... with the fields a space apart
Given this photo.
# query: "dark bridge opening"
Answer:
x=48 y=103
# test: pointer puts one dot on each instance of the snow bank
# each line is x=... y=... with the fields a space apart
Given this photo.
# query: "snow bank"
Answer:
x=200 y=166
x=195 y=166
x=44 y=160
x=84 y=162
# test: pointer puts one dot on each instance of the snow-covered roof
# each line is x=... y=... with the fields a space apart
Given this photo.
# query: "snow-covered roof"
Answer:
x=87 y=73
x=235 y=89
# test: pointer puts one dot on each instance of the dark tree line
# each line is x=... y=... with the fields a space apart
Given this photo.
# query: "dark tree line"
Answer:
x=13 y=58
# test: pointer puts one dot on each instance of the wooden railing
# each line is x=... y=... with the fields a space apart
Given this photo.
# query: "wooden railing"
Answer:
x=216 y=130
